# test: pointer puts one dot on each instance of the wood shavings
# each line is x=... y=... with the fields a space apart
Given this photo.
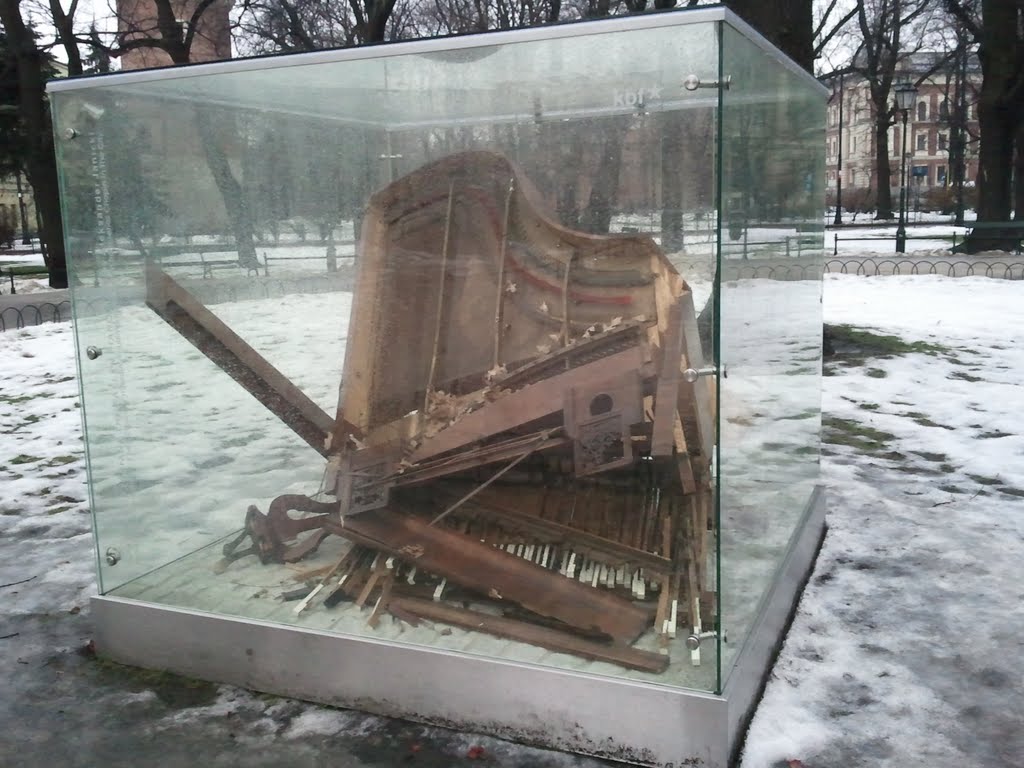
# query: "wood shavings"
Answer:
x=496 y=373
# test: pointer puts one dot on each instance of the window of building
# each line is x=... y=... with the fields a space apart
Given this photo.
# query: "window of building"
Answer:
x=940 y=175
x=920 y=174
x=853 y=145
x=943 y=142
x=921 y=142
x=944 y=109
x=922 y=110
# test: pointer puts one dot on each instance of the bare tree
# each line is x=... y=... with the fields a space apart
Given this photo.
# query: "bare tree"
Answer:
x=997 y=26
x=887 y=38
x=29 y=58
x=274 y=26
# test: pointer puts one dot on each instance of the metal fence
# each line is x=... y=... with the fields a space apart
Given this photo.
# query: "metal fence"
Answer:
x=215 y=292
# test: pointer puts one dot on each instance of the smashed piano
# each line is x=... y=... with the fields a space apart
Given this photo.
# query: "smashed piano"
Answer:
x=521 y=445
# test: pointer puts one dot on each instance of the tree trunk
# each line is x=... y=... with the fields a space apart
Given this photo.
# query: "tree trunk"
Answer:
x=672 y=182
x=788 y=25
x=883 y=172
x=604 y=192
x=1018 y=175
x=235 y=203
x=40 y=162
x=999 y=119
x=994 y=176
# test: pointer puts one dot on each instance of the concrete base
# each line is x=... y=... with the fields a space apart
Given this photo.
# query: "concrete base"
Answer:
x=642 y=723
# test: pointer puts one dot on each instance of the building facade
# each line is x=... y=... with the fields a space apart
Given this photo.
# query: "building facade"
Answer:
x=15 y=194
x=932 y=158
x=138 y=19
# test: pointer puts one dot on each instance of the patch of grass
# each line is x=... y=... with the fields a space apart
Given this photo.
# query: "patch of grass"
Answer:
x=855 y=346
x=16 y=399
x=58 y=461
x=984 y=480
x=8 y=511
x=949 y=488
x=931 y=456
x=964 y=376
x=876 y=373
x=856 y=435
x=57 y=510
x=1012 y=491
x=994 y=434
x=174 y=691
x=912 y=469
x=808 y=414
x=923 y=420
x=868 y=406
x=23 y=458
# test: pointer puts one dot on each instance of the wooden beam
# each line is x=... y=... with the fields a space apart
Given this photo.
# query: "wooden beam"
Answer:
x=463 y=560
x=667 y=393
x=702 y=399
x=229 y=352
x=532 y=402
x=552 y=639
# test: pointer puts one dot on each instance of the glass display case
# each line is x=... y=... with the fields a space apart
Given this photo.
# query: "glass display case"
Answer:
x=494 y=355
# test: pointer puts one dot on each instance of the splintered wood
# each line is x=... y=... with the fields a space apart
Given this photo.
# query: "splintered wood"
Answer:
x=515 y=449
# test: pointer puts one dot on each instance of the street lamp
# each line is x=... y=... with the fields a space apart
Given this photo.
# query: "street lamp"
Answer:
x=906 y=95
x=21 y=207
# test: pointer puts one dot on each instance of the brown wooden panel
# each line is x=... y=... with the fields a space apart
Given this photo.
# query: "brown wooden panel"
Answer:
x=465 y=561
x=624 y=656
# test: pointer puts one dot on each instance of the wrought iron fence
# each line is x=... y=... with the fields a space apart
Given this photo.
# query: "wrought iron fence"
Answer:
x=34 y=314
x=215 y=292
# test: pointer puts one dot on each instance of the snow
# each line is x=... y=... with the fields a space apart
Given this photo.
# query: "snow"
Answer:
x=907 y=646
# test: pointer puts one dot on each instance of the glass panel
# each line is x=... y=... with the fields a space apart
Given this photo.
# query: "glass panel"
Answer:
x=174 y=444
x=770 y=322
x=499 y=254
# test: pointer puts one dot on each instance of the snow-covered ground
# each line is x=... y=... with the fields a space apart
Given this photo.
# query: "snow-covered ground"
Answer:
x=906 y=650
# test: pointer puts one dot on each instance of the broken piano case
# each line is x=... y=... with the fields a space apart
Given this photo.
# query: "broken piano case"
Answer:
x=509 y=418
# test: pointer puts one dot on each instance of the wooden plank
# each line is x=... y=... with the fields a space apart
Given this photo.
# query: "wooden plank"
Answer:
x=226 y=349
x=685 y=465
x=465 y=561
x=701 y=393
x=532 y=402
x=667 y=393
x=552 y=639
x=358 y=379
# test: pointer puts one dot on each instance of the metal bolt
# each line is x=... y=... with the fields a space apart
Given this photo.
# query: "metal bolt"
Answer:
x=693 y=641
x=692 y=83
x=692 y=374
x=93 y=352
x=113 y=556
x=70 y=133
